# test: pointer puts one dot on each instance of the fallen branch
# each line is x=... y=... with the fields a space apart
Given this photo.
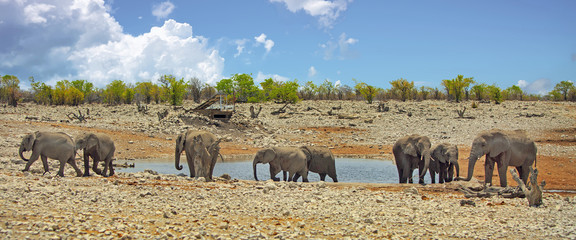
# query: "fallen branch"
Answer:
x=280 y=110
x=162 y=115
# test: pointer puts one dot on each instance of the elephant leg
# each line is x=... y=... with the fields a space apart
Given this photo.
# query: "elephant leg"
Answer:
x=45 y=164
x=488 y=170
x=295 y=178
x=72 y=162
x=334 y=178
x=291 y=177
x=96 y=160
x=502 y=168
x=32 y=159
x=273 y=171
x=106 y=167
x=284 y=175
x=304 y=176
x=322 y=177
x=442 y=174
x=109 y=162
x=61 y=170
x=401 y=178
x=524 y=173
x=190 y=161
x=432 y=176
x=86 y=164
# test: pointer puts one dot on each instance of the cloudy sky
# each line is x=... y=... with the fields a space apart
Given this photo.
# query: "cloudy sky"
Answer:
x=528 y=43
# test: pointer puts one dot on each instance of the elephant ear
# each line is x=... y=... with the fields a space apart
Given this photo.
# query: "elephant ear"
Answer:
x=269 y=155
x=31 y=140
x=439 y=153
x=410 y=149
x=498 y=144
x=92 y=141
x=181 y=140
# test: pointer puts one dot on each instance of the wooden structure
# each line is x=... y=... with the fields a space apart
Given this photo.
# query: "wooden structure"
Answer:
x=216 y=108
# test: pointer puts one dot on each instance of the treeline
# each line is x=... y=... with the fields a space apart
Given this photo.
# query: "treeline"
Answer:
x=241 y=88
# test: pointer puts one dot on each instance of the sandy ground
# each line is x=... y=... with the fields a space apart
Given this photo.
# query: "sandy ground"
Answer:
x=147 y=205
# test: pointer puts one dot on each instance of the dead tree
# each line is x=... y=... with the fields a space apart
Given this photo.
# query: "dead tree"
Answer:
x=533 y=191
x=383 y=108
x=162 y=115
x=80 y=117
x=461 y=114
x=253 y=113
x=280 y=110
x=142 y=108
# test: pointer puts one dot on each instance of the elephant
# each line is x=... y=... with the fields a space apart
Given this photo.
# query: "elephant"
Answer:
x=55 y=145
x=207 y=156
x=99 y=146
x=410 y=152
x=185 y=142
x=444 y=160
x=321 y=161
x=290 y=159
x=507 y=148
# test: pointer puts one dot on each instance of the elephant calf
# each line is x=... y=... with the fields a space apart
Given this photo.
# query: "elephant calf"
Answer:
x=444 y=160
x=321 y=161
x=290 y=159
x=98 y=146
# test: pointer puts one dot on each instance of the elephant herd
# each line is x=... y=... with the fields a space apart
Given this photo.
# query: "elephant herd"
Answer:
x=506 y=148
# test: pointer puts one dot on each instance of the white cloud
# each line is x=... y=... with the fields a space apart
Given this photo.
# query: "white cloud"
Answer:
x=262 y=39
x=78 y=39
x=163 y=10
x=312 y=71
x=34 y=12
x=260 y=77
x=240 y=45
x=539 y=86
x=170 y=49
x=326 y=11
x=337 y=84
x=339 y=49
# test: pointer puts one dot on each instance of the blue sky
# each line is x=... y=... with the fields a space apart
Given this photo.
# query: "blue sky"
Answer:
x=527 y=43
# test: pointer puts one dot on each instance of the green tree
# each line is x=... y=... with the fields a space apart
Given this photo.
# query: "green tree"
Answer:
x=226 y=86
x=564 y=88
x=479 y=91
x=402 y=88
x=145 y=90
x=66 y=94
x=308 y=91
x=173 y=89
x=42 y=92
x=457 y=87
x=513 y=93
x=368 y=92
x=84 y=86
x=325 y=90
x=128 y=95
x=113 y=94
x=10 y=90
x=495 y=93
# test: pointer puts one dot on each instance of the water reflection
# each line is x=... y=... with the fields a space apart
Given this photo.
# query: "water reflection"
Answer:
x=348 y=169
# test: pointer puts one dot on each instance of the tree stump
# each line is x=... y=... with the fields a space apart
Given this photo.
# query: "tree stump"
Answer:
x=533 y=191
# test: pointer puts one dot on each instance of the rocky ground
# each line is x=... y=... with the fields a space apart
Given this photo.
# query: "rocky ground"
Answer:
x=150 y=205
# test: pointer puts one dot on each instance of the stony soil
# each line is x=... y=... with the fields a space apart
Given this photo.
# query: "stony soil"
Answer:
x=148 y=205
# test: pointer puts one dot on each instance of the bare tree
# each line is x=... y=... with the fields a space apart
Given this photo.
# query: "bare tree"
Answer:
x=195 y=88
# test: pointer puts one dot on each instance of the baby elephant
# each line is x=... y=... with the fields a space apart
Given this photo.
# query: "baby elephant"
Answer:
x=100 y=147
x=444 y=159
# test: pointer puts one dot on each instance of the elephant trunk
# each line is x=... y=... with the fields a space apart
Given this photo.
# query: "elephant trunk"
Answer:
x=471 y=163
x=20 y=151
x=254 y=166
x=457 y=169
x=177 y=154
x=426 y=156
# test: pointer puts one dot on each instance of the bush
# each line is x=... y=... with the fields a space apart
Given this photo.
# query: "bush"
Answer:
x=10 y=90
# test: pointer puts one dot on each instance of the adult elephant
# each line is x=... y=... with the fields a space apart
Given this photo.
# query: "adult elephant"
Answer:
x=99 y=147
x=444 y=160
x=410 y=152
x=321 y=161
x=205 y=157
x=185 y=142
x=507 y=148
x=55 y=145
x=290 y=159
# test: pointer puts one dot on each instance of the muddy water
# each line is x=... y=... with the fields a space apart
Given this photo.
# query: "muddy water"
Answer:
x=348 y=170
